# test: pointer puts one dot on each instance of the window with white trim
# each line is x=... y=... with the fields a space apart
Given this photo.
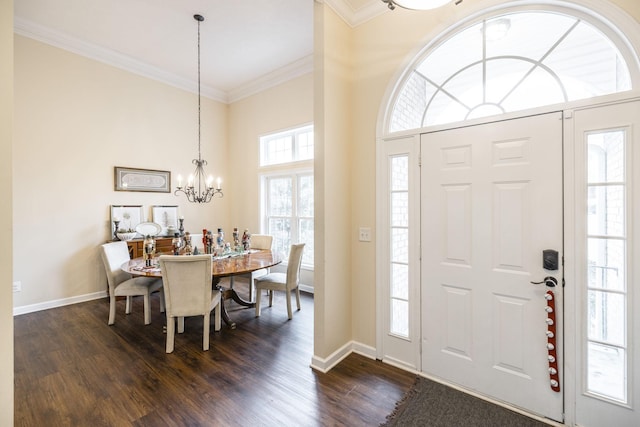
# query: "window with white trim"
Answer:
x=507 y=63
x=286 y=159
x=286 y=147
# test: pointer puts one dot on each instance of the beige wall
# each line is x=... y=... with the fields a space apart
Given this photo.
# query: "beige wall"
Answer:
x=6 y=267
x=75 y=119
x=333 y=157
x=279 y=108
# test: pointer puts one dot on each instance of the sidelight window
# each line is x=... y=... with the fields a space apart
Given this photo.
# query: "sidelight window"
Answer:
x=607 y=298
x=399 y=232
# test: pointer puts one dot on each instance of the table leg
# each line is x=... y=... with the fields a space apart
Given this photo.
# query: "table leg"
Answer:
x=228 y=293
x=224 y=313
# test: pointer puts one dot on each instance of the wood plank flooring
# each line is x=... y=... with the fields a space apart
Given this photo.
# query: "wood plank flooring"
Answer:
x=72 y=369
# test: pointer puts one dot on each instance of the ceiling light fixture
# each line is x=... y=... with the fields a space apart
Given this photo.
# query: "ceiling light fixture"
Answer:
x=199 y=180
x=418 y=4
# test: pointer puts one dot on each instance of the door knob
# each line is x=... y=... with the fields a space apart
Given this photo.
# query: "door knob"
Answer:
x=548 y=281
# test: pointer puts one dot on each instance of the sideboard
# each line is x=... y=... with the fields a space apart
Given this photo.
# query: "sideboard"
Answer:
x=163 y=245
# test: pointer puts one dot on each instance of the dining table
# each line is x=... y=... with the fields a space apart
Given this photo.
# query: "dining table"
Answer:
x=226 y=265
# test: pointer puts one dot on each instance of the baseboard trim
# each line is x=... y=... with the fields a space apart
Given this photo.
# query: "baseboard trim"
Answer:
x=306 y=288
x=25 y=309
x=324 y=365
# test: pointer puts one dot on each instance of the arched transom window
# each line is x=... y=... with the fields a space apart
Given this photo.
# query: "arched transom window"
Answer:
x=508 y=63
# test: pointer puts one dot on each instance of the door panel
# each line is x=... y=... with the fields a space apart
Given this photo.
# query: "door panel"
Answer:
x=491 y=202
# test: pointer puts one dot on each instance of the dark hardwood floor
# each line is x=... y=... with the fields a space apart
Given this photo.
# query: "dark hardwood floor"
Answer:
x=72 y=369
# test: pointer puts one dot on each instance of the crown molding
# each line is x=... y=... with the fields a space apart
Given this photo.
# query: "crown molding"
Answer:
x=353 y=18
x=288 y=72
x=64 y=41
x=298 y=68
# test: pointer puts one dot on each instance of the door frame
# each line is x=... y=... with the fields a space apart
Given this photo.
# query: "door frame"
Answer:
x=572 y=295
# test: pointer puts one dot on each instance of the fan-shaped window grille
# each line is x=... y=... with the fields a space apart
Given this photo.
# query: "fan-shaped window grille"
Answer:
x=509 y=63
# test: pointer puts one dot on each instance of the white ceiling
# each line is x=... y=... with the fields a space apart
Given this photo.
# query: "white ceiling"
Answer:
x=246 y=45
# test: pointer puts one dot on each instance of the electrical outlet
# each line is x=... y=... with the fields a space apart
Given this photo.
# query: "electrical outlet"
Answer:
x=365 y=234
x=17 y=286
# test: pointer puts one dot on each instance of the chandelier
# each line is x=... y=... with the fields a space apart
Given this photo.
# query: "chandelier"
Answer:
x=199 y=188
x=418 y=4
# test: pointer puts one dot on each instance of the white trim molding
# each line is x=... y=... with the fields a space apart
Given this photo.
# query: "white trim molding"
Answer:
x=352 y=17
x=324 y=365
x=25 y=309
x=289 y=72
x=107 y=56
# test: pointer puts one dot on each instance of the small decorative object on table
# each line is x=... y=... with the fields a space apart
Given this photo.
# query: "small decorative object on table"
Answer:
x=208 y=242
x=149 y=250
x=181 y=228
x=176 y=243
x=187 y=244
x=236 y=238
x=246 y=239
x=220 y=238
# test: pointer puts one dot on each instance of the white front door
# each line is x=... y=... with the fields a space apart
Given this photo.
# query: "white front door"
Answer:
x=491 y=203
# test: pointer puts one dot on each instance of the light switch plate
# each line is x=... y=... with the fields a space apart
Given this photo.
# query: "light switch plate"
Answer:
x=365 y=234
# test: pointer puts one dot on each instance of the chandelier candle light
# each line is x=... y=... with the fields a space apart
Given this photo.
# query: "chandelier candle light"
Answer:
x=199 y=188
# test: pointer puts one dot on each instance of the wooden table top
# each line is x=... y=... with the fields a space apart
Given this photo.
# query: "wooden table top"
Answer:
x=221 y=266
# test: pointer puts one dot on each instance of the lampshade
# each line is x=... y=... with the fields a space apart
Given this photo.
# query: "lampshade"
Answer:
x=421 y=4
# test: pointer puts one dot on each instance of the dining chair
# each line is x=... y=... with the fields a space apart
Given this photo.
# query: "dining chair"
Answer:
x=188 y=292
x=282 y=282
x=258 y=241
x=115 y=254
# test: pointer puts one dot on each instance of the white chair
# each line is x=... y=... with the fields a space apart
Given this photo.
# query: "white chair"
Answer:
x=187 y=289
x=123 y=284
x=281 y=281
x=258 y=241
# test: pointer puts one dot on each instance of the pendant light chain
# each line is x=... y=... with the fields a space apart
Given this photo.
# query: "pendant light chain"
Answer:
x=199 y=126
x=199 y=188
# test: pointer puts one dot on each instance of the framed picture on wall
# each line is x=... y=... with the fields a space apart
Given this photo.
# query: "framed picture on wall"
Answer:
x=167 y=218
x=131 y=179
x=129 y=216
